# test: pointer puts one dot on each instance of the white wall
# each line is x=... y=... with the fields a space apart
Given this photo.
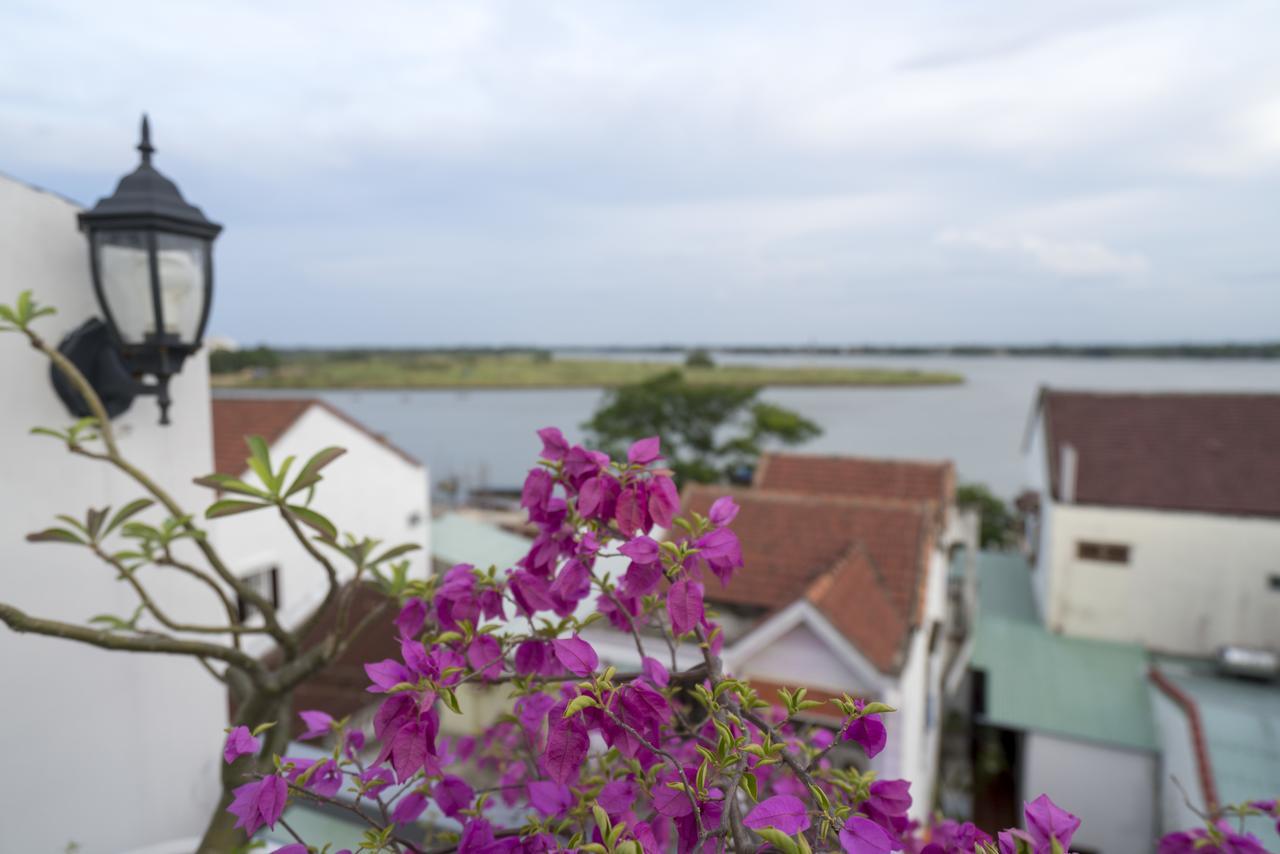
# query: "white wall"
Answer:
x=110 y=750
x=1177 y=761
x=1193 y=582
x=370 y=491
x=1112 y=790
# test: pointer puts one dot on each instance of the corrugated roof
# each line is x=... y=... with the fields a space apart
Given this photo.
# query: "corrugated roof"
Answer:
x=456 y=538
x=1043 y=682
x=1212 y=453
x=1241 y=724
x=1072 y=687
x=1004 y=586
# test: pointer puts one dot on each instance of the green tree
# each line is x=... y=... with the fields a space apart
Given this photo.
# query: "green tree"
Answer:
x=710 y=433
x=699 y=358
x=996 y=521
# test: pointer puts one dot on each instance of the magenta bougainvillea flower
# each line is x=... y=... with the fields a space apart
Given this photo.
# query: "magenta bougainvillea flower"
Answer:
x=318 y=724
x=861 y=835
x=866 y=730
x=675 y=750
x=240 y=742
x=786 y=813
x=259 y=803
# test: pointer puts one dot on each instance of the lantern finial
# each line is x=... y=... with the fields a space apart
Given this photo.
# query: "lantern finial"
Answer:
x=144 y=145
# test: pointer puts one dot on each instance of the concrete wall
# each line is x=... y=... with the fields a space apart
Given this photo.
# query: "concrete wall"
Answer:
x=107 y=749
x=1193 y=581
x=370 y=491
x=1112 y=790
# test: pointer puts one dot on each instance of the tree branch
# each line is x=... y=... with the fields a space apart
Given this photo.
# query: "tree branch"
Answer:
x=21 y=622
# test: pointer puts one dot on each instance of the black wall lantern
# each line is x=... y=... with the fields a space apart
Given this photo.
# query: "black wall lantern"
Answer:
x=151 y=254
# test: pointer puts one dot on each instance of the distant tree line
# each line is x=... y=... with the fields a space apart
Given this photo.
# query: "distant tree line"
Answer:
x=234 y=361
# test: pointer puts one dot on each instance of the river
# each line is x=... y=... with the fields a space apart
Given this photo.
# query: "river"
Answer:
x=486 y=438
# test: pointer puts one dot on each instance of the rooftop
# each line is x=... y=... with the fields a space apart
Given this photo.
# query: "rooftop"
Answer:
x=1211 y=453
x=235 y=418
x=857 y=477
x=461 y=538
x=830 y=550
x=1038 y=681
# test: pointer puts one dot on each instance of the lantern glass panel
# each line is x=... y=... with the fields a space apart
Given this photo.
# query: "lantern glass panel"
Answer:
x=181 y=262
x=125 y=276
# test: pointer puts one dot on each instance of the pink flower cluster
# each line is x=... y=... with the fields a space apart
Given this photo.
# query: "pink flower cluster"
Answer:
x=591 y=758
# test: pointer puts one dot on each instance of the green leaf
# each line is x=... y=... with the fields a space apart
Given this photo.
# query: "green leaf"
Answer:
x=55 y=535
x=229 y=507
x=261 y=728
x=877 y=709
x=133 y=508
x=227 y=483
x=582 y=701
x=310 y=473
x=310 y=517
x=748 y=783
x=394 y=552
x=779 y=840
x=93 y=521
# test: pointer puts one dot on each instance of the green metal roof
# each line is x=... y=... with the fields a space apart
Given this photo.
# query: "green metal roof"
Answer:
x=1042 y=682
x=1241 y=721
x=456 y=538
x=1004 y=587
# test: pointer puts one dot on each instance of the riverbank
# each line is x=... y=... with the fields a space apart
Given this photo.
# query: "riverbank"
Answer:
x=539 y=370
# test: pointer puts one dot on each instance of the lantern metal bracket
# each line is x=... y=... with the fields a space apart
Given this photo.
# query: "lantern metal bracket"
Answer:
x=93 y=352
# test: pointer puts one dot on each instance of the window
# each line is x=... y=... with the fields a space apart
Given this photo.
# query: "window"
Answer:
x=1103 y=552
x=266 y=583
x=1273 y=582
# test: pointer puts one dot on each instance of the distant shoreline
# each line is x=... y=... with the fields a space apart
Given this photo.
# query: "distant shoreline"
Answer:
x=517 y=370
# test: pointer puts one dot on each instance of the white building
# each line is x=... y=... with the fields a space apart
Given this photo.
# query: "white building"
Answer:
x=108 y=750
x=375 y=490
x=844 y=591
x=1158 y=518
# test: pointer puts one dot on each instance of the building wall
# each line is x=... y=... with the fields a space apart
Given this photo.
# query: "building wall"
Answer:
x=106 y=749
x=1193 y=581
x=1112 y=790
x=370 y=491
x=1177 y=761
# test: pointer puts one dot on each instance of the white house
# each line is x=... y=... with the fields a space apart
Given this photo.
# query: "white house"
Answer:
x=375 y=490
x=108 y=750
x=1158 y=518
x=844 y=591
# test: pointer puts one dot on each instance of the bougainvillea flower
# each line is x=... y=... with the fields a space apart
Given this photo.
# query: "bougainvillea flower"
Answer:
x=655 y=672
x=723 y=511
x=863 y=836
x=784 y=812
x=721 y=551
x=411 y=617
x=576 y=655
x=376 y=779
x=554 y=446
x=318 y=724
x=866 y=730
x=1046 y=821
x=664 y=500
x=484 y=654
x=550 y=798
x=642 y=549
x=644 y=451
x=632 y=513
x=598 y=497
x=684 y=605
x=408 y=808
x=453 y=794
x=567 y=743
x=616 y=797
x=240 y=742
x=259 y=803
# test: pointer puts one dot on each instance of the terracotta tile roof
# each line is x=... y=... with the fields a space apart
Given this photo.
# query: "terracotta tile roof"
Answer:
x=824 y=547
x=853 y=598
x=1213 y=453
x=269 y=417
x=857 y=477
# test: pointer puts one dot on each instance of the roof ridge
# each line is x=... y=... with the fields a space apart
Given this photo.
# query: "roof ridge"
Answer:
x=912 y=461
x=789 y=496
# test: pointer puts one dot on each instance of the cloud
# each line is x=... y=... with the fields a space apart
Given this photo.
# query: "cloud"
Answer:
x=1068 y=258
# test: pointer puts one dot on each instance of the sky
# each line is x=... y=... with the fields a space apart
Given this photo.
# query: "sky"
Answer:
x=423 y=173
